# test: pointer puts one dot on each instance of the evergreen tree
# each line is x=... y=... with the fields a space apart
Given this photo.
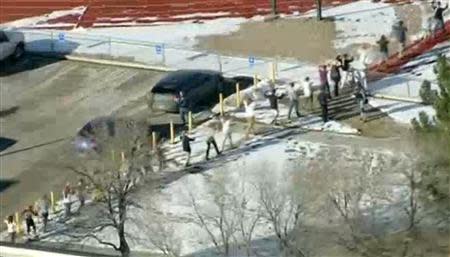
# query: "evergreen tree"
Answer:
x=434 y=142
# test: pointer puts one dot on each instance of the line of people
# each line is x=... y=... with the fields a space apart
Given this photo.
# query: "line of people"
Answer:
x=435 y=24
x=41 y=209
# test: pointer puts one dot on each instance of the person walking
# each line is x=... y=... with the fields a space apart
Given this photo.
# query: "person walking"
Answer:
x=335 y=76
x=439 y=16
x=186 y=143
x=323 y=76
x=183 y=106
x=67 y=201
x=211 y=141
x=43 y=208
x=11 y=228
x=361 y=98
x=226 y=131
x=28 y=213
x=323 y=100
x=292 y=94
x=81 y=192
x=307 y=91
x=273 y=100
x=346 y=67
x=383 y=44
x=251 y=119
x=400 y=31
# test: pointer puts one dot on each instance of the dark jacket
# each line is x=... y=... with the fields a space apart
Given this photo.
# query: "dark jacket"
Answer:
x=183 y=103
x=400 y=32
x=323 y=76
x=335 y=74
x=186 y=141
x=383 y=43
x=273 y=99
x=346 y=63
x=323 y=98
x=438 y=12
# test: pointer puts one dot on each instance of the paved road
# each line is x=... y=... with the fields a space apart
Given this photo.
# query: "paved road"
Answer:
x=43 y=103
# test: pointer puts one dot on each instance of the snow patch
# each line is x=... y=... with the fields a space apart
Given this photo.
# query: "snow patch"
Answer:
x=402 y=112
x=360 y=22
x=44 y=19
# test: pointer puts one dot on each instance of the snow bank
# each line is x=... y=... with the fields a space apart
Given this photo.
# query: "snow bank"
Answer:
x=181 y=33
x=402 y=112
x=43 y=20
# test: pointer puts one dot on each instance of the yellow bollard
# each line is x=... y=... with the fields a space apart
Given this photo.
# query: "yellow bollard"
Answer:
x=18 y=224
x=154 y=140
x=122 y=156
x=113 y=155
x=190 y=121
x=238 y=96
x=273 y=71
x=255 y=80
x=52 y=201
x=172 y=133
x=221 y=104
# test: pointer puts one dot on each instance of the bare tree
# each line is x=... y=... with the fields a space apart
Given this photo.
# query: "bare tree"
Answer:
x=248 y=217
x=232 y=217
x=162 y=235
x=283 y=208
x=115 y=170
x=412 y=207
x=219 y=217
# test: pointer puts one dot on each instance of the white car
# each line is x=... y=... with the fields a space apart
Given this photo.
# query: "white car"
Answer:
x=12 y=44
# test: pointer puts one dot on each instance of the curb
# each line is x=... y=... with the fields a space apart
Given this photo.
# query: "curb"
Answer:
x=397 y=98
x=117 y=63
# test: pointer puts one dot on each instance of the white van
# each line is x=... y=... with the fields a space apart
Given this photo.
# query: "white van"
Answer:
x=12 y=44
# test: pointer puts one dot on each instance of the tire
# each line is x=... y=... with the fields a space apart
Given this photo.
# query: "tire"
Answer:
x=19 y=52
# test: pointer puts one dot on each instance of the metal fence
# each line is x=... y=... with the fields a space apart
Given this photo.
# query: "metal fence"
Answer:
x=148 y=53
x=180 y=57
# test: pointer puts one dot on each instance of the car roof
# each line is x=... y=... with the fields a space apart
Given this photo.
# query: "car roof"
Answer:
x=182 y=80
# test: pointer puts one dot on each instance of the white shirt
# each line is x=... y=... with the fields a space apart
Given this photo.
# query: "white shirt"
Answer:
x=11 y=227
x=250 y=110
x=226 y=127
x=292 y=92
x=307 y=85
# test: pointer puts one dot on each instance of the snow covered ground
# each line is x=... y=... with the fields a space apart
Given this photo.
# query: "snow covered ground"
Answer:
x=46 y=20
x=272 y=158
x=172 y=45
x=402 y=112
x=360 y=22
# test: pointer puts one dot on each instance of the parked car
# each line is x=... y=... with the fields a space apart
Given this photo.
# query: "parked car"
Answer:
x=102 y=130
x=12 y=44
x=201 y=88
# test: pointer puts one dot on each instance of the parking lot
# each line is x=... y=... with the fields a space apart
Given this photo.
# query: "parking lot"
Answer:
x=44 y=102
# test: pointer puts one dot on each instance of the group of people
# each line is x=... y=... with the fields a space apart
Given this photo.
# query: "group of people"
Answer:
x=337 y=74
x=223 y=125
x=41 y=209
x=435 y=24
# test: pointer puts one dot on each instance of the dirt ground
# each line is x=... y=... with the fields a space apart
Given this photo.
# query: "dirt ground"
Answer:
x=51 y=100
x=305 y=39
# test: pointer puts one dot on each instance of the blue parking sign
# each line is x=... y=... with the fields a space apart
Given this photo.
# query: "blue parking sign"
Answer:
x=251 y=60
x=61 y=36
x=159 y=49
